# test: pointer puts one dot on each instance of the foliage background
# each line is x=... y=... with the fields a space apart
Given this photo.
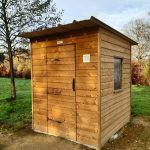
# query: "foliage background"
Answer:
x=22 y=65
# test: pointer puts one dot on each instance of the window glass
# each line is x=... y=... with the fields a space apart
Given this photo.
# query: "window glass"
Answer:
x=117 y=73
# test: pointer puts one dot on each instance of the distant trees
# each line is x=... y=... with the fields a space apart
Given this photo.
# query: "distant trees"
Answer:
x=17 y=16
x=22 y=65
x=139 y=30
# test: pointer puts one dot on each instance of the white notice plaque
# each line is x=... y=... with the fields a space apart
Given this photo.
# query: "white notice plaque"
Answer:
x=59 y=42
x=86 y=58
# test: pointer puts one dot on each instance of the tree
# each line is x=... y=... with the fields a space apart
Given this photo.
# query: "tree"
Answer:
x=18 y=16
x=139 y=30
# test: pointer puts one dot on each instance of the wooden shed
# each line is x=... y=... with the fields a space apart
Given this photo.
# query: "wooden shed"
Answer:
x=81 y=81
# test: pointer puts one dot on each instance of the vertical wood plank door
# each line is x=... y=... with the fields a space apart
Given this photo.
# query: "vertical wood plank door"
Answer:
x=61 y=91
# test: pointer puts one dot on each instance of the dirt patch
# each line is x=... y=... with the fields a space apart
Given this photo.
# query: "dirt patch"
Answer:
x=145 y=121
x=135 y=136
x=29 y=140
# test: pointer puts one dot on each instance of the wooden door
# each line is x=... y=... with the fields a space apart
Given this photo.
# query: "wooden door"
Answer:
x=61 y=91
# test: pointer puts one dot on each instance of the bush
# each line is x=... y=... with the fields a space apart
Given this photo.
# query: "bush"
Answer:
x=22 y=67
x=147 y=73
x=137 y=74
x=3 y=71
x=26 y=73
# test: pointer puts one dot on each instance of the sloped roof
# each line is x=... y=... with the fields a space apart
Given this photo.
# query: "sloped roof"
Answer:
x=75 y=25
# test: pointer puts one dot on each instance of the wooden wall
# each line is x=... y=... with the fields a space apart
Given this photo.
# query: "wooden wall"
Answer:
x=99 y=111
x=115 y=107
x=39 y=87
x=87 y=98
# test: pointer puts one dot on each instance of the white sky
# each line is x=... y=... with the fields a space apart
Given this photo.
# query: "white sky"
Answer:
x=115 y=13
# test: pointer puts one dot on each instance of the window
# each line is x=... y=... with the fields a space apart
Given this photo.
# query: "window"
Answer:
x=117 y=73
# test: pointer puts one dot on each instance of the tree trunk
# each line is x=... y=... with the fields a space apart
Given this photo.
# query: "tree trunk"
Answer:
x=8 y=40
x=13 y=88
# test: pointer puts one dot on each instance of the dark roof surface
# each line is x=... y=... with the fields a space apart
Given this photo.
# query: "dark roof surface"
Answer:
x=75 y=25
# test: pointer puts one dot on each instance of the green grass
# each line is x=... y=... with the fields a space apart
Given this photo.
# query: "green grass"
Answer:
x=140 y=100
x=17 y=113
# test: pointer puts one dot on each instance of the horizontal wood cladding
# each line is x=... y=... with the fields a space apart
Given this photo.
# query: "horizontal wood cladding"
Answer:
x=87 y=93
x=84 y=136
x=74 y=37
x=65 y=129
x=114 y=127
x=39 y=122
x=87 y=100
x=115 y=107
x=62 y=61
x=53 y=70
x=113 y=38
x=61 y=96
x=119 y=113
x=39 y=89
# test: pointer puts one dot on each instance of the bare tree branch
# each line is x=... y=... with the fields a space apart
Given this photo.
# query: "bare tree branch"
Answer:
x=18 y=16
x=139 y=30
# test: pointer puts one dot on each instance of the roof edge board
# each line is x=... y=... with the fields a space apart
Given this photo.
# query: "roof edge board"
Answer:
x=81 y=24
x=78 y=23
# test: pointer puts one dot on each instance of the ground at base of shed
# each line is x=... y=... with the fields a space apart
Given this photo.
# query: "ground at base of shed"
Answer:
x=136 y=136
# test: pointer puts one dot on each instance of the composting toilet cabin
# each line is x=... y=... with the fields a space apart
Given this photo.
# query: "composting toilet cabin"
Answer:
x=81 y=81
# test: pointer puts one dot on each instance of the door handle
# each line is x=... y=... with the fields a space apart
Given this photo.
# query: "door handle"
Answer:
x=73 y=84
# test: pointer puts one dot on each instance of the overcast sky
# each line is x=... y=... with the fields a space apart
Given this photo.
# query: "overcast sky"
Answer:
x=115 y=13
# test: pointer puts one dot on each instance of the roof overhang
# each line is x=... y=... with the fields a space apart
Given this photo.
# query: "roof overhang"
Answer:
x=75 y=25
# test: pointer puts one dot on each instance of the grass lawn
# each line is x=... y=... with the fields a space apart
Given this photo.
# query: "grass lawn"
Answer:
x=17 y=114
x=140 y=100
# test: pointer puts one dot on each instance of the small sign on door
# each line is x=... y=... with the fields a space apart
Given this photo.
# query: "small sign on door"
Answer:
x=86 y=58
x=59 y=42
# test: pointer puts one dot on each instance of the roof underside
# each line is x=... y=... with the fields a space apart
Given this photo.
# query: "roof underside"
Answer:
x=92 y=22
